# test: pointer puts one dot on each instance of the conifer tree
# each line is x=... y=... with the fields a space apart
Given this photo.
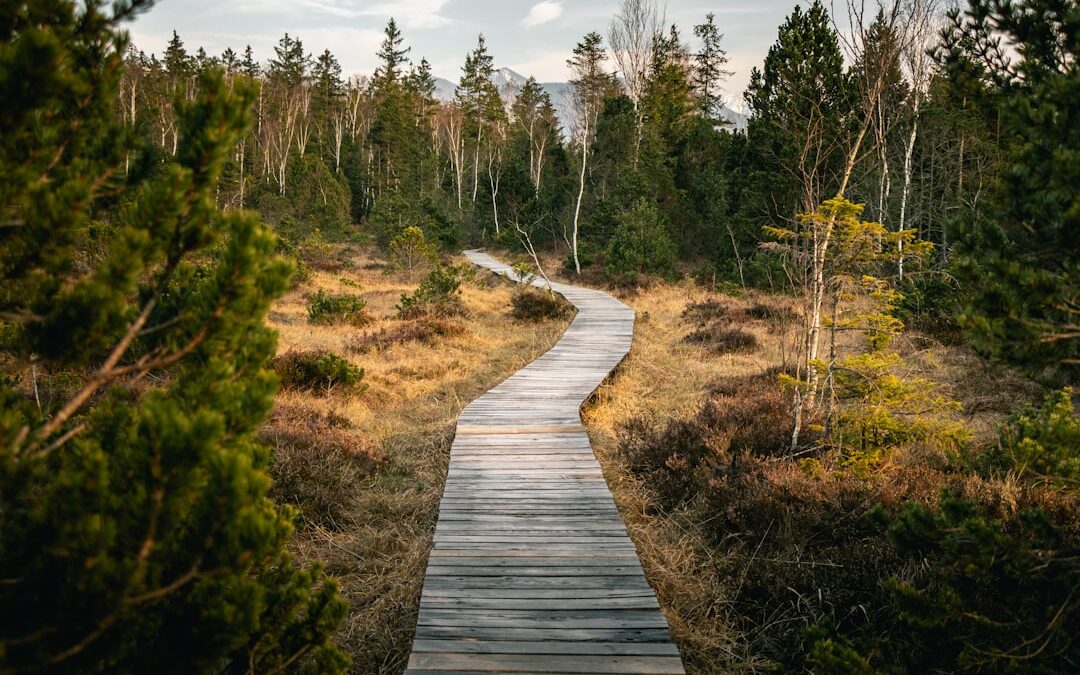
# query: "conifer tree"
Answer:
x=710 y=68
x=1022 y=262
x=137 y=535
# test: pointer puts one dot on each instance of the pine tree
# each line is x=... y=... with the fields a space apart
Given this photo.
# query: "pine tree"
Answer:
x=799 y=99
x=710 y=68
x=480 y=102
x=137 y=534
x=393 y=55
x=1021 y=259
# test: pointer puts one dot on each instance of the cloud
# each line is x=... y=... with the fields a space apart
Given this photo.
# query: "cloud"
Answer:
x=542 y=12
x=408 y=13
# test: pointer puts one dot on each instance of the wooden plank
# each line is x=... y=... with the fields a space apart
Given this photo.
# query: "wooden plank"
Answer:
x=513 y=647
x=562 y=634
x=574 y=663
x=531 y=569
x=636 y=602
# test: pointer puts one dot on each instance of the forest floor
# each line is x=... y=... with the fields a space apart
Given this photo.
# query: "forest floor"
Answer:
x=366 y=469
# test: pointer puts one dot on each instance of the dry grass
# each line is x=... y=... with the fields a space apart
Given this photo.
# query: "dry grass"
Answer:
x=404 y=420
x=667 y=378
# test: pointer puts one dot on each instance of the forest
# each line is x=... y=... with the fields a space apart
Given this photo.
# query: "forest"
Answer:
x=236 y=331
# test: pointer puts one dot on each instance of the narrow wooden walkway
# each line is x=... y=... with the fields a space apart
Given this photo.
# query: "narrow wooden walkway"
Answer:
x=532 y=570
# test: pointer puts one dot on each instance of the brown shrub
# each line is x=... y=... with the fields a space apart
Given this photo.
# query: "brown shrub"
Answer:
x=774 y=310
x=710 y=309
x=745 y=416
x=721 y=340
x=423 y=330
x=536 y=305
x=318 y=462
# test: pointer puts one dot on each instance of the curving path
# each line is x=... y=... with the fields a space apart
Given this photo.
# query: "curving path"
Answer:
x=532 y=570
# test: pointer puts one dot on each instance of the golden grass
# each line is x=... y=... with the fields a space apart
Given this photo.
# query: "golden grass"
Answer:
x=665 y=378
x=415 y=392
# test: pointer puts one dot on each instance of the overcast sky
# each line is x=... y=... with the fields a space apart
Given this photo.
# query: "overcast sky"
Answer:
x=533 y=38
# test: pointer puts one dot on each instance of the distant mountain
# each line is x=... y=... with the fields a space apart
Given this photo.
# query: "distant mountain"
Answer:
x=509 y=82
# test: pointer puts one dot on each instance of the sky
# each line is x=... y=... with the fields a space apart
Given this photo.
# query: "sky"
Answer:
x=532 y=38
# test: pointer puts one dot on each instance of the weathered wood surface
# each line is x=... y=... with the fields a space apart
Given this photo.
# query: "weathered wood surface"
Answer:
x=532 y=570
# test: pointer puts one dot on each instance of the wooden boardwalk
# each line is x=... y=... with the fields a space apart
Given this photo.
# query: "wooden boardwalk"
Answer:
x=532 y=570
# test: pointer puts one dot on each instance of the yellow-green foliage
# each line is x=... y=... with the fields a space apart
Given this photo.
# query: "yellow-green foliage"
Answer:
x=870 y=407
x=410 y=251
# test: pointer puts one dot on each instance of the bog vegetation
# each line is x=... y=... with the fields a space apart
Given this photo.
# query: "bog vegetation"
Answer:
x=234 y=335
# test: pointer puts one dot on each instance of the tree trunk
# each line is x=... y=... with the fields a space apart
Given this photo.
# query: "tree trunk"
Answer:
x=581 y=194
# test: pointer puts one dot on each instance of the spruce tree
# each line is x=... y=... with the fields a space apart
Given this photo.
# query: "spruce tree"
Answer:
x=799 y=99
x=136 y=534
x=710 y=68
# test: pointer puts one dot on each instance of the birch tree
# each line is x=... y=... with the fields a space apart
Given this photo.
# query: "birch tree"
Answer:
x=591 y=85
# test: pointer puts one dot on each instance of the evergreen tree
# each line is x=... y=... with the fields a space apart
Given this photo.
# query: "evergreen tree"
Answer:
x=1021 y=261
x=710 y=68
x=137 y=535
x=799 y=100
x=392 y=55
x=290 y=65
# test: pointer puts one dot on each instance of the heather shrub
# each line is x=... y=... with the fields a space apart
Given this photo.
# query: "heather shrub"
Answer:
x=536 y=305
x=724 y=340
x=318 y=461
x=422 y=330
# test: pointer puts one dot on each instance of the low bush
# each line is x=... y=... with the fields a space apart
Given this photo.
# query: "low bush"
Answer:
x=720 y=340
x=318 y=461
x=1042 y=444
x=742 y=417
x=438 y=295
x=317 y=371
x=327 y=308
x=535 y=305
x=772 y=310
x=707 y=310
x=423 y=330
x=410 y=252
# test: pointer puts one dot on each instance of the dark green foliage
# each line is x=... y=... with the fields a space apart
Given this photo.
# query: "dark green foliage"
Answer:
x=994 y=594
x=137 y=535
x=642 y=243
x=930 y=304
x=538 y=305
x=799 y=101
x=317 y=370
x=1042 y=444
x=327 y=308
x=1021 y=259
x=439 y=294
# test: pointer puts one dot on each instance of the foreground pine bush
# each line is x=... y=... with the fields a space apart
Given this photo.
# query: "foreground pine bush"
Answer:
x=136 y=533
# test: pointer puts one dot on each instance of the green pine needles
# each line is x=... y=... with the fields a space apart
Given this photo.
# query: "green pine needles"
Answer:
x=136 y=534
